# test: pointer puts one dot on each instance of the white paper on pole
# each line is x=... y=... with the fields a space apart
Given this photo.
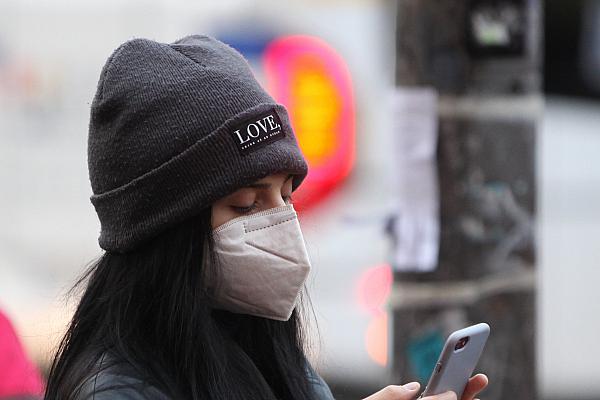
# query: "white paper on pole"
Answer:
x=417 y=225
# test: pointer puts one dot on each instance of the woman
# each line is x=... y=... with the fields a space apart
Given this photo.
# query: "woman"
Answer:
x=192 y=165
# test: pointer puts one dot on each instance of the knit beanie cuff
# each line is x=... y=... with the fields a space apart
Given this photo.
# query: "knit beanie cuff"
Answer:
x=213 y=167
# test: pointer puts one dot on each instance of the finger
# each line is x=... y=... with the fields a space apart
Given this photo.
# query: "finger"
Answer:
x=397 y=392
x=476 y=384
x=449 y=395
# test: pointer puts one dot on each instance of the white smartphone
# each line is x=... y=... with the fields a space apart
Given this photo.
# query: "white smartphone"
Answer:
x=457 y=361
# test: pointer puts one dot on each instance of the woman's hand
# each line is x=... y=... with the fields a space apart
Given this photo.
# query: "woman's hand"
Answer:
x=476 y=384
x=409 y=391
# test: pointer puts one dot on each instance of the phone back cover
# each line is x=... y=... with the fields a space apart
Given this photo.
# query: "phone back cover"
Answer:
x=457 y=366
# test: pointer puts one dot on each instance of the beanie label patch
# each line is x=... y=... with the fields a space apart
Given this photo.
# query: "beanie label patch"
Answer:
x=258 y=131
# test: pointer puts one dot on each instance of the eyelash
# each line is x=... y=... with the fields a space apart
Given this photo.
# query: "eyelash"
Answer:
x=246 y=210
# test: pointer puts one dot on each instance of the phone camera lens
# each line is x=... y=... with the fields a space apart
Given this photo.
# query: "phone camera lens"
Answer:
x=462 y=342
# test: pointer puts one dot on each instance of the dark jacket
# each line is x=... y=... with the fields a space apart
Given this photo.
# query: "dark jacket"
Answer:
x=121 y=382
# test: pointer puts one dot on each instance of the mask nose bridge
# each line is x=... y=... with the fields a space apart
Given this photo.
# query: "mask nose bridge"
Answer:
x=267 y=221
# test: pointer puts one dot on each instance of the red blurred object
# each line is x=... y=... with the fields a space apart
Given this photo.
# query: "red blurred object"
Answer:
x=306 y=75
x=18 y=375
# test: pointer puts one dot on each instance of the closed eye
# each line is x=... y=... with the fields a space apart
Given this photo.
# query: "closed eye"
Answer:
x=250 y=208
x=245 y=210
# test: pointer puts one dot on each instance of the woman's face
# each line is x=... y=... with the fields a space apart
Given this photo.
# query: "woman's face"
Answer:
x=271 y=191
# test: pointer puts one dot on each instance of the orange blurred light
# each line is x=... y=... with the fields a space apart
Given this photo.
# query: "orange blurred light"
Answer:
x=316 y=105
x=376 y=339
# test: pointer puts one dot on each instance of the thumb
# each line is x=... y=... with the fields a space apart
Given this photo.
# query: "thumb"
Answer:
x=412 y=387
x=396 y=392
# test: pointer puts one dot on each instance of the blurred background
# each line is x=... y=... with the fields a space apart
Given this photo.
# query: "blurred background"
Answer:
x=455 y=176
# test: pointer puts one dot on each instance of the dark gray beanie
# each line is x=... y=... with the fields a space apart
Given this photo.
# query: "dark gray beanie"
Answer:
x=174 y=127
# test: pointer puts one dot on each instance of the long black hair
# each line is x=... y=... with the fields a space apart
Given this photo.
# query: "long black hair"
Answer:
x=149 y=308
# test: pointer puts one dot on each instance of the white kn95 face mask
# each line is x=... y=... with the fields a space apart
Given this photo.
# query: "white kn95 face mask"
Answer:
x=262 y=263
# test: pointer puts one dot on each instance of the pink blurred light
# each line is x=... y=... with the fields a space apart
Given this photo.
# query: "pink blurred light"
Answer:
x=281 y=59
x=373 y=289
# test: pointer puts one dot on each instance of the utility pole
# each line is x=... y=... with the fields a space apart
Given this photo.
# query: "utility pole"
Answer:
x=481 y=59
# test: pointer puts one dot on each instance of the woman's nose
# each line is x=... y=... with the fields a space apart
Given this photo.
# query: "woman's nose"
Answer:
x=275 y=200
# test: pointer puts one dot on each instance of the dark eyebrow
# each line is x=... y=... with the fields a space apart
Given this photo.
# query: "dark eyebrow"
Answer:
x=265 y=185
